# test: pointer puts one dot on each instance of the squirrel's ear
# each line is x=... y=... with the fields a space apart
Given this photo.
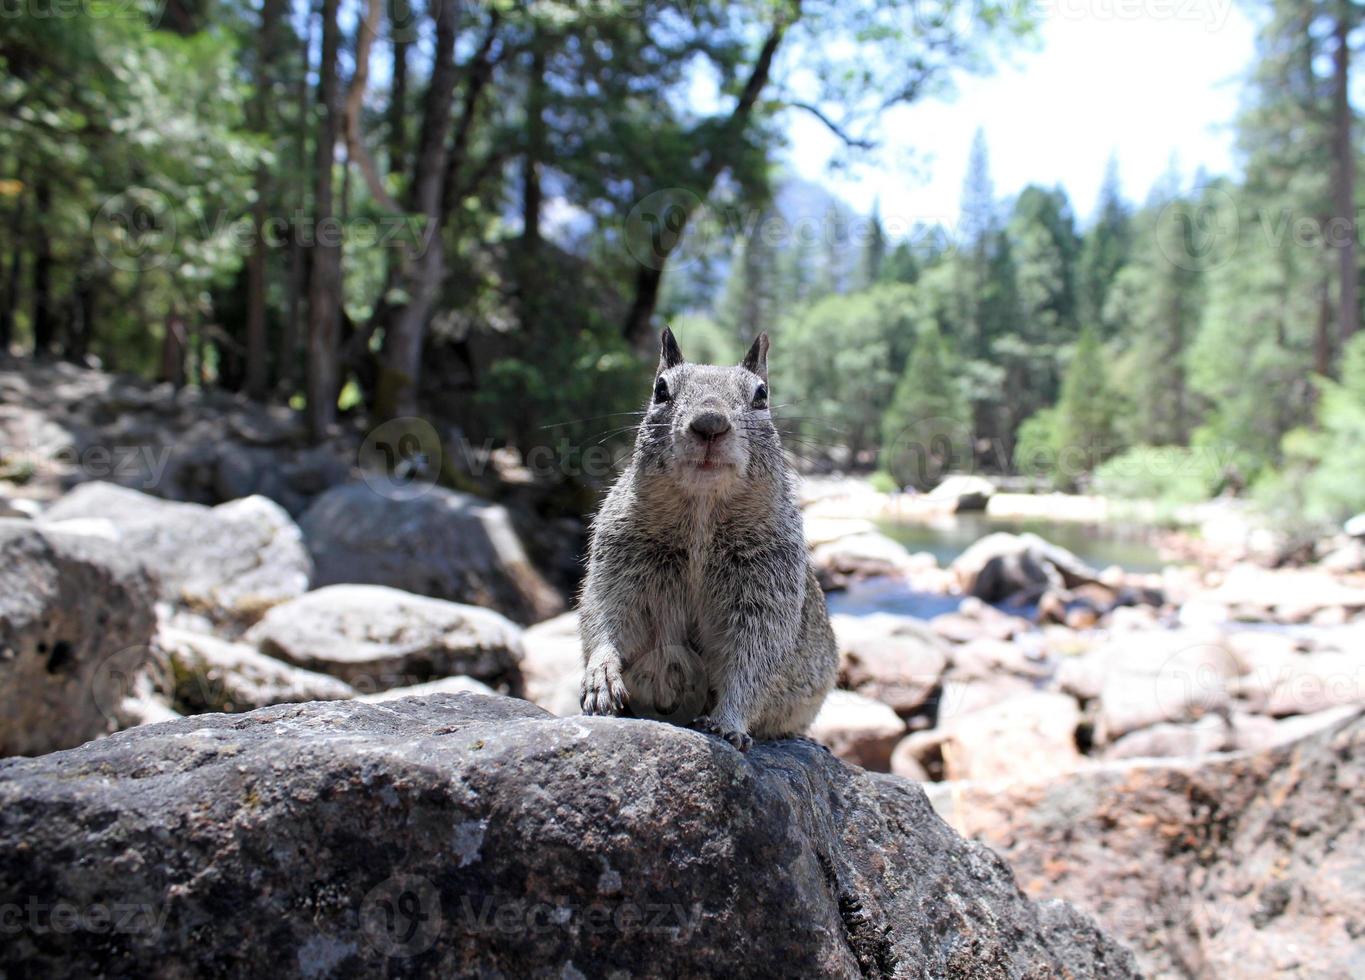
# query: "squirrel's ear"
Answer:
x=670 y=354
x=757 y=358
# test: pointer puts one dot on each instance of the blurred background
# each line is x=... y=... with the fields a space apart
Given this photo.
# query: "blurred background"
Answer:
x=1064 y=305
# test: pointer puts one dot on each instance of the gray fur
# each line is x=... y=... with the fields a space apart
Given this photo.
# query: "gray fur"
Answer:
x=700 y=604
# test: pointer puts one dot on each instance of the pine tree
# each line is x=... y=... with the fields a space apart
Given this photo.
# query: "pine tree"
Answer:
x=926 y=430
x=874 y=249
x=1107 y=248
x=1086 y=411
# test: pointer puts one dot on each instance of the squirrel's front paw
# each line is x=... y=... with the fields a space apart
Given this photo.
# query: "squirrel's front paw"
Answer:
x=739 y=739
x=603 y=691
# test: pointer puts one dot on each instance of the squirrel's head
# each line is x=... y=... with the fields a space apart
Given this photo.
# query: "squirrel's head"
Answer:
x=709 y=426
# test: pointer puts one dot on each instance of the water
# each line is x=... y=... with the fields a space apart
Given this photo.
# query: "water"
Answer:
x=1097 y=545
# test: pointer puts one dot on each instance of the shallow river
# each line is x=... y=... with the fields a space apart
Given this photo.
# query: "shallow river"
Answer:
x=1097 y=545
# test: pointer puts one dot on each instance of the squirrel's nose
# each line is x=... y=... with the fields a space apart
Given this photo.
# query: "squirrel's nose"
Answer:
x=709 y=425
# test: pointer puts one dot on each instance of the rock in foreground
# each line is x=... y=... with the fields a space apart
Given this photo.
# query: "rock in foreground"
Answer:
x=472 y=836
x=442 y=544
x=76 y=621
x=231 y=562
x=1245 y=866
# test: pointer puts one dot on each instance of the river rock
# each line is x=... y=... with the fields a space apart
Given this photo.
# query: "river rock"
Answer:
x=470 y=836
x=212 y=674
x=1207 y=735
x=896 y=660
x=1174 y=676
x=76 y=623
x=860 y=552
x=964 y=492
x=446 y=685
x=231 y=562
x=442 y=544
x=858 y=730
x=1241 y=866
x=1004 y=567
x=375 y=638
x=1030 y=735
x=552 y=664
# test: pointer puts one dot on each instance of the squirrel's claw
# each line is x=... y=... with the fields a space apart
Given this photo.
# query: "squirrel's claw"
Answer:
x=740 y=740
x=603 y=692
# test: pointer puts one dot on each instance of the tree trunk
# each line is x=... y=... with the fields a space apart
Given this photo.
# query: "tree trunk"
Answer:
x=423 y=261
x=173 y=349
x=1343 y=176
x=297 y=282
x=44 y=318
x=400 y=13
x=638 y=328
x=324 y=288
x=257 y=356
x=13 y=276
x=531 y=193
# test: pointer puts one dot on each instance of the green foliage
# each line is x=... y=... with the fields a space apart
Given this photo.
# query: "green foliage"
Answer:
x=925 y=431
x=705 y=341
x=1321 y=483
x=1037 y=446
x=836 y=364
x=1166 y=475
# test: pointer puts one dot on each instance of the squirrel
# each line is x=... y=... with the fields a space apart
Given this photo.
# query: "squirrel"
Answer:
x=700 y=605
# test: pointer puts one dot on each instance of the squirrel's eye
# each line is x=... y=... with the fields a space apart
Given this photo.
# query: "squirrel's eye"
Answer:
x=761 y=397
x=661 y=391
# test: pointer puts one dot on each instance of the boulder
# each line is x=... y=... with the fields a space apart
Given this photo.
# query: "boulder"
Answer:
x=375 y=638
x=231 y=562
x=552 y=664
x=76 y=623
x=975 y=619
x=863 y=554
x=213 y=674
x=1027 y=736
x=896 y=660
x=446 y=685
x=1301 y=684
x=442 y=544
x=1238 y=866
x=1173 y=676
x=986 y=657
x=858 y=730
x=964 y=492
x=1207 y=735
x=1004 y=567
x=471 y=836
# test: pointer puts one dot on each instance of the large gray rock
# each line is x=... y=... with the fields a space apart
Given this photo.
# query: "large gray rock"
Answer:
x=76 y=620
x=1018 y=567
x=896 y=660
x=858 y=730
x=1241 y=866
x=375 y=638
x=469 y=836
x=231 y=562
x=213 y=674
x=552 y=666
x=443 y=544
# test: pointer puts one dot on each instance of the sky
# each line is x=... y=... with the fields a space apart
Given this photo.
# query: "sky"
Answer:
x=1140 y=79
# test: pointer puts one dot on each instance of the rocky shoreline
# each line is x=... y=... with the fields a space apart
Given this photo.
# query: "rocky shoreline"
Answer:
x=1098 y=697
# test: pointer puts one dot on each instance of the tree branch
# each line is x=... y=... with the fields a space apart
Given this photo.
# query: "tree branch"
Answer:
x=849 y=140
x=355 y=97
